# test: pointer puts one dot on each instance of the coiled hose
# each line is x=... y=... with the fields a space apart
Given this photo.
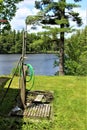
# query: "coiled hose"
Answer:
x=31 y=74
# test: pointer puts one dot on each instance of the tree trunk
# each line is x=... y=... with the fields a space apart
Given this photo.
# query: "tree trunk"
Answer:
x=61 y=54
x=61 y=44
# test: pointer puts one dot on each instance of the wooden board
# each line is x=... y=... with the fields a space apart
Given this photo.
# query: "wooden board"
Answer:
x=38 y=98
x=37 y=111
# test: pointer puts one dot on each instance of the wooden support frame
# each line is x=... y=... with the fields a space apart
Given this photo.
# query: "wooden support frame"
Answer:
x=22 y=86
x=22 y=80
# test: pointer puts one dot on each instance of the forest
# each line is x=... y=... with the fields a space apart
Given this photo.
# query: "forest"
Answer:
x=11 y=43
x=42 y=42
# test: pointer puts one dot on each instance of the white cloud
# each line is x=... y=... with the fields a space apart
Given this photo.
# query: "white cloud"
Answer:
x=83 y=14
x=25 y=8
x=26 y=3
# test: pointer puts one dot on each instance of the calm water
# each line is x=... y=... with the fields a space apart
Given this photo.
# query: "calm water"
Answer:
x=42 y=63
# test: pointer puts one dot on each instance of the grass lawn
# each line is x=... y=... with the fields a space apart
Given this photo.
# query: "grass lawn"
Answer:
x=69 y=104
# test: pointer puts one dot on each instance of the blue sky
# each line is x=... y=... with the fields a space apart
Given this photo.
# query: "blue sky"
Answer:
x=26 y=8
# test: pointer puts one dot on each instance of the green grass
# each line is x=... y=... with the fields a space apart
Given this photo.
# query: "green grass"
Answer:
x=69 y=104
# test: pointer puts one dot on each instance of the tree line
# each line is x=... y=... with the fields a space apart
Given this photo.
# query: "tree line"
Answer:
x=12 y=41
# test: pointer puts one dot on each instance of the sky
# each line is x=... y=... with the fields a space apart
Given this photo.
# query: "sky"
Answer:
x=26 y=8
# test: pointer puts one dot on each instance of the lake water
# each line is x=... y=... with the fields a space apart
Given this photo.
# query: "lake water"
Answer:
x=42 y=63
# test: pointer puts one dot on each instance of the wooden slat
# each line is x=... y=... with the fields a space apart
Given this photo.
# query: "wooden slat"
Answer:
x=48 y=111
x=30 y=111
x=39 y=110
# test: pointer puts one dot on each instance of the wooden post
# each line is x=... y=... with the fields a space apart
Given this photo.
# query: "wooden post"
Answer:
x=22 y=81
x=22 y=85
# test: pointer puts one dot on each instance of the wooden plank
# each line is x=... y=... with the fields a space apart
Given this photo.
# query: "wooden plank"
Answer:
x=48 y=111
x=37 y=112
x=46 y=107
x=30 y=111
x=33 y=111
x=38 y=98
x=40 y=110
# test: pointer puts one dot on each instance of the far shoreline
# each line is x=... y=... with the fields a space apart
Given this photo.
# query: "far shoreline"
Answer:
x=48 y=52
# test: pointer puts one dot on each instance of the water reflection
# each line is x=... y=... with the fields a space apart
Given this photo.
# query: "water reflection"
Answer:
x=42 y=63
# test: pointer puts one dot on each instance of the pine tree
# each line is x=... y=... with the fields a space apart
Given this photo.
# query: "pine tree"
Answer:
x=59 y=13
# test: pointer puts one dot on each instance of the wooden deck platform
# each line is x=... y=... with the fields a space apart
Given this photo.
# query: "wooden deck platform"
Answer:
x=38 y=105
x=36 y=111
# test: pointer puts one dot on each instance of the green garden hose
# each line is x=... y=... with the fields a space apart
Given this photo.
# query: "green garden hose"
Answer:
x=31 y=74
